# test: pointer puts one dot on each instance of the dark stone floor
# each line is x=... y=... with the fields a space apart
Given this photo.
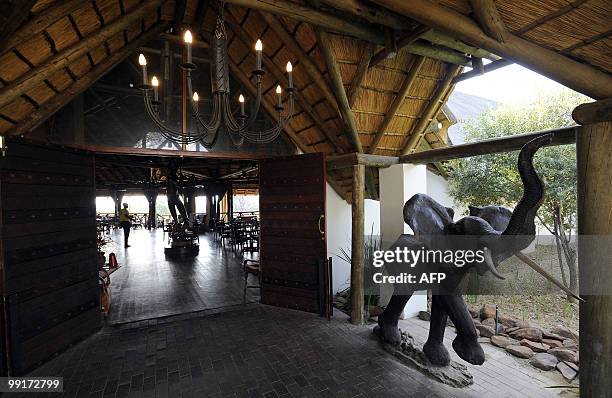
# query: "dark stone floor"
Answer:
x=252 y=351
x=149 y=286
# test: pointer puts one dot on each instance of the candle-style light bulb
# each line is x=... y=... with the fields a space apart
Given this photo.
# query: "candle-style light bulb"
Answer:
x=142 y=61
x=241 y=100
x=196 y=97
x=279 y=91
x=155 y=84
x=290 y=74
x=258 y=51
x=188 y=38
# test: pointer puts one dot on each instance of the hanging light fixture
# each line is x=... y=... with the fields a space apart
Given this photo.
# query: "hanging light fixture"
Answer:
x=222 y=118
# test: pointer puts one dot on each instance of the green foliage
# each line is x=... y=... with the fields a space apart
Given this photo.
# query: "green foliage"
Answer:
x=494 y=179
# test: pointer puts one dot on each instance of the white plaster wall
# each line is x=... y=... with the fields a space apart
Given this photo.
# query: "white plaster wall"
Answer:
x=338 y=226
x=437 y=188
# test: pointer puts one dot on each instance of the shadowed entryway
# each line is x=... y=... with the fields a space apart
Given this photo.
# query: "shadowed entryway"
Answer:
x=148 y=285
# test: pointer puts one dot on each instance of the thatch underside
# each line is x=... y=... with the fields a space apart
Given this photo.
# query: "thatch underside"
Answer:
x=32 y=88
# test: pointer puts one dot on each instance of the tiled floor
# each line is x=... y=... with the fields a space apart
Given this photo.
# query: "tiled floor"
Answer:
x=149 y=286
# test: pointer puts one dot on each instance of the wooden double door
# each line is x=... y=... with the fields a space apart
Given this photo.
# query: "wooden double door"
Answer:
x=48 y=268
x=293 y=249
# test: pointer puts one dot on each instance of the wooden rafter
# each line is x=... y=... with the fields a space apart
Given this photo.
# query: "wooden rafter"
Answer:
x=282 y=78
x=60 y=100
x=549 y=17
x=12 y=15
x=489 y=19
x=397 y=102
x=362 y=71
x=490 y=67
x=333 y=23
x=432 y=109
x=407 y=40
x=40 y=22
x=576 y=75
x=63 y=59
x=294 y=47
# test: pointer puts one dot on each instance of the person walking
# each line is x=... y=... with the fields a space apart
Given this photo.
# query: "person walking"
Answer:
x=125 y=219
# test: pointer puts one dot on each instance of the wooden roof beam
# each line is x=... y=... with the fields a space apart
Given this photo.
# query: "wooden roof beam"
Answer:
x=63 y=59
x=407 y=40
x=294 y=47
x=242 y=35
x=12 y=15
x=333 y=23
x=432 y=109
x=490 y=67
x=60 y=100
x=397 y=102
x=382 y=16
x=489 y=19
x=40 y=22
x=578 y=76
x=345 y=109
x=362 y=71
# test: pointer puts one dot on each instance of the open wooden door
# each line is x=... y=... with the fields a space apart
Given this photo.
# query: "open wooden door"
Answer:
x=292 y=237
x=48 y=251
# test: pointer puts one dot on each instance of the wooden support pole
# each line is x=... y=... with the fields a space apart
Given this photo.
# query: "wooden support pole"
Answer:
x=489 y=19
x=594 y=157
x=593 y=112
x=357 y=246
x=432 y=109
x=57 y=102
x=564 y=70
x=32 y=78
x=397 y=102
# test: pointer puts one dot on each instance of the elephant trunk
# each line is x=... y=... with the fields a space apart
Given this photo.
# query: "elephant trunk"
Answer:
x=521 y=226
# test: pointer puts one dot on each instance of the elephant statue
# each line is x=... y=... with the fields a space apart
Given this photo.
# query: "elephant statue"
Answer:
x=495 y=230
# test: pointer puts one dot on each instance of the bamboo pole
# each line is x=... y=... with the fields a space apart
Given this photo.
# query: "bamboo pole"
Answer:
x=435 y=103
x=32 y=78
x=397 y=102
x=357 y=246
x=60 y=100
x=564 y=70
x=594 y=160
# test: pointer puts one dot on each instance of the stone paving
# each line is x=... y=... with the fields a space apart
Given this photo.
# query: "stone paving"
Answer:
x=258 y=351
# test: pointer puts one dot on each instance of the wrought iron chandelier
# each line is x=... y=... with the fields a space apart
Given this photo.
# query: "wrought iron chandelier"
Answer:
x=207 y=132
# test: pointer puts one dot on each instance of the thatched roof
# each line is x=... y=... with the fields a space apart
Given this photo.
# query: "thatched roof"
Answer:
x=60 y=48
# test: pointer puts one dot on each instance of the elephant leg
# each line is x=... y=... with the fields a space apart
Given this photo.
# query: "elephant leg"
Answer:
x=434 y=347
x=466 y=343
x=388 y=320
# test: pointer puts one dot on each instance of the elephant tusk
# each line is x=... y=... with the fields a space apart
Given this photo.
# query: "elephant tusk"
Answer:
x=490 y=264
x=545 y=274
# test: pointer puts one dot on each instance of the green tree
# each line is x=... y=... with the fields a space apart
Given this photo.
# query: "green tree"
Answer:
x=494 y=179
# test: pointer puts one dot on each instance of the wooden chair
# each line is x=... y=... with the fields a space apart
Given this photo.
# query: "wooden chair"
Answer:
x=251 y=267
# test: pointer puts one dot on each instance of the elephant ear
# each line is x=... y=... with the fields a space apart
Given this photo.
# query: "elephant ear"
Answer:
x=425 y=216
x=497 y=216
